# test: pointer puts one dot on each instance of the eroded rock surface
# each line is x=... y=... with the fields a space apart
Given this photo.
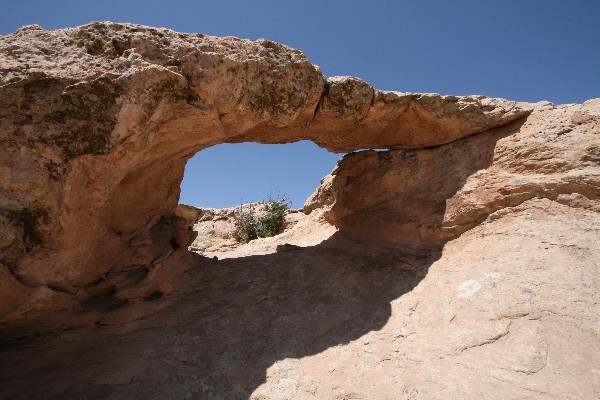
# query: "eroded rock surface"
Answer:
x=217 y=232
x=419 y=199
x=462 y=262
x=98 y=122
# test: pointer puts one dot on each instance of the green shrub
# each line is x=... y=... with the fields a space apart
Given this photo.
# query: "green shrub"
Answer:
x=246 y=223
x=251 y=223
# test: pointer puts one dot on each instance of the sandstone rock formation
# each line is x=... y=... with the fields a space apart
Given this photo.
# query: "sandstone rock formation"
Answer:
x=460 y=262
x=217 y=228
x=453 y=188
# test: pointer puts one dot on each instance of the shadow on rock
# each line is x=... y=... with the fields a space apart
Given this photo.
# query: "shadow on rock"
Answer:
x=217 y=340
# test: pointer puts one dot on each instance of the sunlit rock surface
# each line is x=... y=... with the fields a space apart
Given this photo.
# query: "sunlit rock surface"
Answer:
x=462 y=262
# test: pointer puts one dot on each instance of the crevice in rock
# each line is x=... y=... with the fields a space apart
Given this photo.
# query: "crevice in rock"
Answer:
x=319 y=104
x=153 y=296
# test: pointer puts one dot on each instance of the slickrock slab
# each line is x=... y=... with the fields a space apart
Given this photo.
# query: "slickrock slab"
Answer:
x=458 y=258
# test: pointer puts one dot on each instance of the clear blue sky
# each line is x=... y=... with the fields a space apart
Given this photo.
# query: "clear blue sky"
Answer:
x=526 y=50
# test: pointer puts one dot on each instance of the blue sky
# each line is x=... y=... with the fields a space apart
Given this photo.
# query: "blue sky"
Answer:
x=522 y=50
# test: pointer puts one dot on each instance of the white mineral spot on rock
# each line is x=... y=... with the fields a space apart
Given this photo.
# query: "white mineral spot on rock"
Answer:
x=492 y=275
x=285 y=388
x=468 y=288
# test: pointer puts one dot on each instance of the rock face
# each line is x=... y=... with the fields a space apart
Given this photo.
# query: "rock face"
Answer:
x=217 y=228
x=452 y=188
x=462 y=260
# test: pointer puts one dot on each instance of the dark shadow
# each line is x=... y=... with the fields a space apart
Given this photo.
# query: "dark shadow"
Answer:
x=217 y=340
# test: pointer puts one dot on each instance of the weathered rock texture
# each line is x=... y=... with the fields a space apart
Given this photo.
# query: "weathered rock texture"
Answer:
x=217 y=232
x=462 y=262
x=419 y=199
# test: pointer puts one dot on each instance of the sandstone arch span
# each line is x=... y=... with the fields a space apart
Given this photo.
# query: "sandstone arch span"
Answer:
x=98 y=122
x=501 y=198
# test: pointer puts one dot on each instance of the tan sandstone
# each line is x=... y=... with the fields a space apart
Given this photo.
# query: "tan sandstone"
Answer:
x=460 y=259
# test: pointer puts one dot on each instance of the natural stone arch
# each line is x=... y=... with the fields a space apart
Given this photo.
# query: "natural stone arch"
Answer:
x=94 y=146
x=103 y=145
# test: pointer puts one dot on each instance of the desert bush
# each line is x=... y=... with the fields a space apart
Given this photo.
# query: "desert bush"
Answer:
x=263 y=220
x=246 y=223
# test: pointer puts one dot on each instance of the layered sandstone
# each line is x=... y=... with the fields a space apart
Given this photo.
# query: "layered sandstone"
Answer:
x=218 y=238
x=99 y=121
x=460 y=259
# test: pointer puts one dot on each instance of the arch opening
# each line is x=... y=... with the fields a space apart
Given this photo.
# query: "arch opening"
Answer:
x=223 y=182
x=227 y=175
